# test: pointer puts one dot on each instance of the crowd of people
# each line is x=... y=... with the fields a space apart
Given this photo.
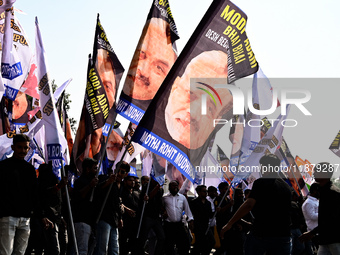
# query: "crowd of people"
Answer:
x=107 y=210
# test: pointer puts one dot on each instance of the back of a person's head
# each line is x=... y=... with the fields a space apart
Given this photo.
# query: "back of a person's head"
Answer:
x=247 y=191
x=199 y=188
x=20 y=138
x=125 y=166
x=144 y=178
x=314 y=188
x=270 y=160
x=88 y=163
x=223 y=185
x=212 y=189
x=238 y=191
x=323 y=170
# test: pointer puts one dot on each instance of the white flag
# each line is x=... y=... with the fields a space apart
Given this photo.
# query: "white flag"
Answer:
x=262 y=94
x=16 y=55
x=55 y=146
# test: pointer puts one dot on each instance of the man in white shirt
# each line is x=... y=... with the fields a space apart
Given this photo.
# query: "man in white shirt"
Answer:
x=175 y=204
x=310 y=210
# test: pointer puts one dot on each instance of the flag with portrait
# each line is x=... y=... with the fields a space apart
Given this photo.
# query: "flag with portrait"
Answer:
x=103 y=77
x=177 y=125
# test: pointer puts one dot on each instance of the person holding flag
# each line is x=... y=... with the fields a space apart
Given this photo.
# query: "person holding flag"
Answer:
x=18 y=198
x=270 y=202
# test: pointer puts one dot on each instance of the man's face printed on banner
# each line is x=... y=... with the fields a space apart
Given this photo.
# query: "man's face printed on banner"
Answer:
x=184 y=120
x=151 y=63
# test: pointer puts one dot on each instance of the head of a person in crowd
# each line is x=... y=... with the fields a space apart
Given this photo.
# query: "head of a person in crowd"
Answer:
x=314 y=190
x=246 y=193
x=212 y=192
x=90 y=167
x=137 y=183
x=144 y=180
x=323 y=173
x=129 y=182
x=223 y=187
x=295 y=196
x=173 y=187
x=239 y=195
x=122 y=170
x=21 y=146
x=201 y=191
x=270 y=166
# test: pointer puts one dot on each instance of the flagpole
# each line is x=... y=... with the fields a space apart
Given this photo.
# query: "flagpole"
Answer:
x=219 y=205
x=144 y=203
x=69 y=210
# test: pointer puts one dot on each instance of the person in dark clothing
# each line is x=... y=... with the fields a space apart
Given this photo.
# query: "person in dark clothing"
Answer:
x=223 y=213
x=329 y=211
x=111 y=215
x=270 y=202
x=82 y=206
x=202 y=212
x=130 y=200
x=152 y=216
x=18 y=199
x=50 y=203
x=298 y=224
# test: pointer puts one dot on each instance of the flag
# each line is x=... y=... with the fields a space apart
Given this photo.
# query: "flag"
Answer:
x=305 y=170
x=146 y=158
x=292 y=170
x=103 y=78
x=153 y=58
x=54 y=139
x=174 y=126
x=334 y=147
x=236 y=137
x=262 y=99
x=16 y=54
x=64 y=121
x=6 y=4
x=271 y=141
x=6 y=140
x=30 y=86
x=225 y=163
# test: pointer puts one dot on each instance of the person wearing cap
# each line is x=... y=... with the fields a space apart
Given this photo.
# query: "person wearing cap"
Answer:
x=175 y=204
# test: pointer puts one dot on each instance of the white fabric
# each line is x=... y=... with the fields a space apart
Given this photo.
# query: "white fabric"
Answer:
x=310 y=210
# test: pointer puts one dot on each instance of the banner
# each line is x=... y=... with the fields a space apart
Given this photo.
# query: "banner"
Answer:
x=98 y=112
x=16 y=54
x=55 y=142
x=154 y=56
x=6 y=140
x=173 y=126
x=262 y=99
x=5 y=4
x=293 y=171
x=236 y=136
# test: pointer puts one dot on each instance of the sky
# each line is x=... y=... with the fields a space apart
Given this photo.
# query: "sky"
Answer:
x=290 y=39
